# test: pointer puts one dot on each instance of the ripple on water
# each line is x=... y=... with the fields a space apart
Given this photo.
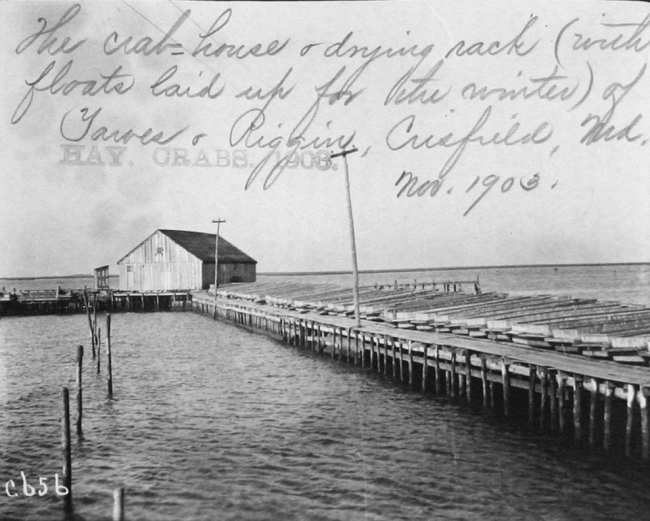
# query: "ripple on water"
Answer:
x=209 y=421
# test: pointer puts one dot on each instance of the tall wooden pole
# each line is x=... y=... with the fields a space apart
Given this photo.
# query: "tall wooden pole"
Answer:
x=355 y=270
x=80 y=357
x=216 y=258
x=65 y=445
x=109 y=355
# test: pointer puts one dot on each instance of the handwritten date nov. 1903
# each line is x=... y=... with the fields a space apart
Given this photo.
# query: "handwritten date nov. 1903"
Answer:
x=411 y=186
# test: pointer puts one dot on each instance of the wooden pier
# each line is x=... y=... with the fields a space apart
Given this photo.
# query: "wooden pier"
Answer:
x=59 y=301
x=553 y=354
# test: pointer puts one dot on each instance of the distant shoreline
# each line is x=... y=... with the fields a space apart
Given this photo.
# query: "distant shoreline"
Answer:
x=347 y=272
x=78 y=276
x=448 y=268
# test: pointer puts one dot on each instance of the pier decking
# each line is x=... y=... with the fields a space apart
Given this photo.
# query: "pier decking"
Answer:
x=571 y=356
x=595 y=329
x=59 y=301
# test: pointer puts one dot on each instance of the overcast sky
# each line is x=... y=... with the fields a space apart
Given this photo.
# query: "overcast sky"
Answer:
x=557 y=195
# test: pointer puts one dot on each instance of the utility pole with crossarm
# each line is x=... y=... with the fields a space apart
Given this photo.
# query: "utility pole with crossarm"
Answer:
x=216 y=258
x=355 y=270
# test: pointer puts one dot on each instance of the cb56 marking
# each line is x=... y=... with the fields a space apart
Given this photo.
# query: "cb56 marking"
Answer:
x=24 y=488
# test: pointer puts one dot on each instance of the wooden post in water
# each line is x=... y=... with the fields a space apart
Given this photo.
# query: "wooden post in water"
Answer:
x=90 y=322
x=468 y=375
x=356 y=348
x=425 y=368
x=411 y=380
x=316 y=340
x=80 y=357
x=109 y=355
x=553 y=398
x=401 y=361
x=532 y=373
x=492 y=394
x=505 y=380
x=577 y=406
x=560 y=396
x=452 y=373
x=631 y=395
x=544 y=393
x=385 y=355
x=392 y=347
x=607 y=415
x=372 y=353
x=461 y=384
x=99 y=350
x=645 y=435
x=118 y=504
x=95 y=314
x=375 y=340
x=363 y=350
x=448 y=379
x=349 y=346
x=484 y=381
x=437 y=369
x=67 y=452
x=593 y=402
x=338 y=332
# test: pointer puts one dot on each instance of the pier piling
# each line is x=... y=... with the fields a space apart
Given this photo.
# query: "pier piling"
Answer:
x=468 y=375
x=561 y=396
x=484 y=381
x=631 y=395
x=543 y=396
x=452 y=374
x=109 y=355
x=552 y=377
x=577 y=406
x=593 y=403
x=455 y=357
x=411 y=375
x=607 y=415
x=531 y=395
x=80 y=357
x=118 y=504
x=505 y=380
x=437 y=371
x=99 y=350
x=425 y=368
x=67 y=451
x=645 y=434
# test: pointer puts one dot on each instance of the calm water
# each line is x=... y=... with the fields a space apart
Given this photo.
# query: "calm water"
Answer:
x=629 y=284
x=210 y=422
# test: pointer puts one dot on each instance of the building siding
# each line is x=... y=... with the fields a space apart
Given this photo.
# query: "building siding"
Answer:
x=229 y=272
x=160 y=264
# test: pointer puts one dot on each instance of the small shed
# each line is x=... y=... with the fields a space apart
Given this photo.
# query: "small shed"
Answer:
x=101 y=278
x=183 y=260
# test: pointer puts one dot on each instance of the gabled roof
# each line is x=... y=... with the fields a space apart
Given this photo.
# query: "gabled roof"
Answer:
x=201 y=245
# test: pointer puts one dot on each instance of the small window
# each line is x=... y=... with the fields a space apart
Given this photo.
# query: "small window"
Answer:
x=159 y=250
x=129 y=268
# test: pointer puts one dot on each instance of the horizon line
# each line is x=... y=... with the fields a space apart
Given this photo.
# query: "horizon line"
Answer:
x=383 y=270
x=452 y=268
